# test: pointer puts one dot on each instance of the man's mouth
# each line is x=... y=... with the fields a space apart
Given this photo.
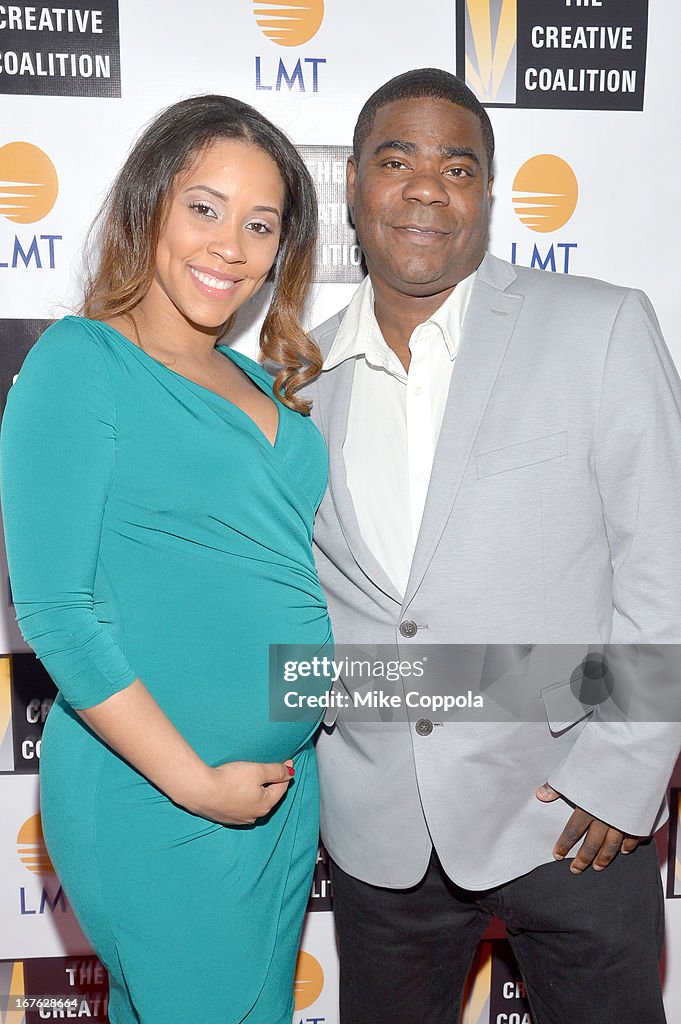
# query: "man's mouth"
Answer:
x=422 y=231
x=422 y=228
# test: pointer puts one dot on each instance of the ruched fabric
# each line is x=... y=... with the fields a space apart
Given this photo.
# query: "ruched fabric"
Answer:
x=153 y=531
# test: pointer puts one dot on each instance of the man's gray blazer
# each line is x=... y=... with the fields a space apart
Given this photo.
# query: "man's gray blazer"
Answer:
x=553 y=517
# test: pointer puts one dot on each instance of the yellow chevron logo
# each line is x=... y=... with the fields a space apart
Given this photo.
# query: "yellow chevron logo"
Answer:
x=5 y=713
x=478 y=987
x=12 y=983
x=491 y=35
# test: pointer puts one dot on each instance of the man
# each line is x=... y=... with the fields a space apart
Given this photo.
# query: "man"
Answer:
x=504 y=469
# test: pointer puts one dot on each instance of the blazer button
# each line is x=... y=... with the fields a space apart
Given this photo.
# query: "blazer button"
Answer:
x=424 y=727
x=408 y=628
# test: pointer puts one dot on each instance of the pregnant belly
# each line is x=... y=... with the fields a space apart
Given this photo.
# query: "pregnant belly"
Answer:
x=213 y=679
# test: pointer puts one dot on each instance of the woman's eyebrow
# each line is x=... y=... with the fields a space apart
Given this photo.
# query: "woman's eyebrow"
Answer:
x=221 y=195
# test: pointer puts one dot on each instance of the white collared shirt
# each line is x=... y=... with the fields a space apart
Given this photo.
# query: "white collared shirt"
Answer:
x=394 y=421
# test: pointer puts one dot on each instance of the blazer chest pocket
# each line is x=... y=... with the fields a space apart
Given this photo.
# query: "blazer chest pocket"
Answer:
x=563 y=706
x=526 y=453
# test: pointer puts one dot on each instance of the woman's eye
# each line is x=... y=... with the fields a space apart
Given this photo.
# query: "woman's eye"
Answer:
x=203 y=209
x=260 y=227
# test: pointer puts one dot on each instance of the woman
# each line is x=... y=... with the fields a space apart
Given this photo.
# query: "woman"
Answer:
x=158 y=495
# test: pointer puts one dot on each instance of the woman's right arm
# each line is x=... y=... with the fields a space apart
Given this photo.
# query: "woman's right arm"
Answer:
x=57 y=450
x=236 y=793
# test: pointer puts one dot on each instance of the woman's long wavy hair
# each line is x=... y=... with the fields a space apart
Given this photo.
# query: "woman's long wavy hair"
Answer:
x=126 y=233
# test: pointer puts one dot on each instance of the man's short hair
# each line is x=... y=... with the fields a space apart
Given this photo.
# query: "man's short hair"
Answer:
x=422 y=83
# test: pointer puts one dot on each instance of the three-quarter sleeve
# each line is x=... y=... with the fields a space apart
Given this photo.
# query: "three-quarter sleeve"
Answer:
x=57 y=457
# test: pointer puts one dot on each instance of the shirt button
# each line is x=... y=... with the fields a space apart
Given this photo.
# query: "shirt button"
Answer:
x=424 y=727
x=408 y=628
x=417 y=391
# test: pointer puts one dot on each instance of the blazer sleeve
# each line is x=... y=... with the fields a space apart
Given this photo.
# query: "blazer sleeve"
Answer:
x=620 y=765
x=57 y=451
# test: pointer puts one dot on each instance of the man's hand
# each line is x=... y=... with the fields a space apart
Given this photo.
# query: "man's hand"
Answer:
x=601 y=843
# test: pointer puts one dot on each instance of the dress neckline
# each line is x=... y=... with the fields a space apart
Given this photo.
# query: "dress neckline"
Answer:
x=238 y=359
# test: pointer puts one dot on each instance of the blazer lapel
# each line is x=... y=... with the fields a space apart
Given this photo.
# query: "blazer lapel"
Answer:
x=335 y=390
x=488 y=327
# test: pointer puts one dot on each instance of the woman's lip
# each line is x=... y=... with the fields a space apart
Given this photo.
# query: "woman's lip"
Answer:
x=212 y=283
x=209 y=272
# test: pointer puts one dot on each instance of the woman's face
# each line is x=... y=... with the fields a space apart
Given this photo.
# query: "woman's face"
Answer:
x=220 y=238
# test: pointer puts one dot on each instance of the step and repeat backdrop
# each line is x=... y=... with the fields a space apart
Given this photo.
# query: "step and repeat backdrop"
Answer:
x=587 y=128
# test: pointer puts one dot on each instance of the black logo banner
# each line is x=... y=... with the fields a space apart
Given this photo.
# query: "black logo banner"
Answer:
x=68 y=50
x=571 y=55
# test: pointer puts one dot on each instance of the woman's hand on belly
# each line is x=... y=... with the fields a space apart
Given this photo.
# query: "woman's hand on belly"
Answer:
x=240 y=792
x=136 y=727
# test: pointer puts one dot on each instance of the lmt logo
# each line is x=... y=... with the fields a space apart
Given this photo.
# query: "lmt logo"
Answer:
x=289 y=24
x=28 y=191
x=545 y=192
x=34 y=856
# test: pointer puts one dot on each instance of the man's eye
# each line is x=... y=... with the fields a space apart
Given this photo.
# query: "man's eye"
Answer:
x=458 y=172
x=393 y=164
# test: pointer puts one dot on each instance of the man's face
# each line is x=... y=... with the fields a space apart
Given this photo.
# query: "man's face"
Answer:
x=421 y=196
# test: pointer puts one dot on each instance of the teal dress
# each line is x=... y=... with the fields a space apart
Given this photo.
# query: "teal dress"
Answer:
x=153 y=531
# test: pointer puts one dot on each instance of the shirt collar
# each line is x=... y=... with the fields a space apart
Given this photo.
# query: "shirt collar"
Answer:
x=360 y=335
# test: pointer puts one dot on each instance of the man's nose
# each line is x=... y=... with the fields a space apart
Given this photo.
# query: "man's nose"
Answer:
x=426 y=186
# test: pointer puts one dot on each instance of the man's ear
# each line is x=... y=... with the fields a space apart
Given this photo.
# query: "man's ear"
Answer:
x=350 y=176
x=490 y=183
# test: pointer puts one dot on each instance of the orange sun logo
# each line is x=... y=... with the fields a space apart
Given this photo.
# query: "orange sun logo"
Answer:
x=289 y=23
x=545 y=193
x=28 y=183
